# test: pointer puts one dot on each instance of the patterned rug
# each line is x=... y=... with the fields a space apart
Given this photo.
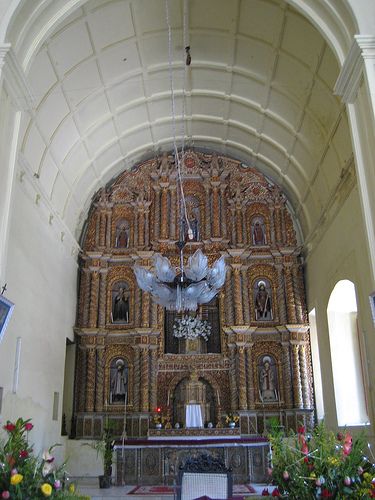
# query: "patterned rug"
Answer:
x=238 y=490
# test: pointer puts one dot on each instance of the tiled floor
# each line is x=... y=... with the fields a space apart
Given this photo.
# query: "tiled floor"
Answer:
x=89 y=486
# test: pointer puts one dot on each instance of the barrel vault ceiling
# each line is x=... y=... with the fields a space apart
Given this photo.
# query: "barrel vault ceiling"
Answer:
x=259 y=88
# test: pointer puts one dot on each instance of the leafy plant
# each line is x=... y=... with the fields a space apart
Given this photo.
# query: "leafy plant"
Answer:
x=320 y=465
x=104 y=449
x=24 y=476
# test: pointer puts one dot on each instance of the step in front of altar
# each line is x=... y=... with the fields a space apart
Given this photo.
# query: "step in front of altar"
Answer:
x=156 y=460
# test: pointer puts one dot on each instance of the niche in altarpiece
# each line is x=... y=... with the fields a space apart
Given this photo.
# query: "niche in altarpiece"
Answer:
x=121 y=303
x=207 y=312
x=267 y=377
x=258 y=231
x=263 y=301
x=118 y=380
x=122 y=234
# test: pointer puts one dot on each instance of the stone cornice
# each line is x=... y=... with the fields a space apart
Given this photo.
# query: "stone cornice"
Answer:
x=348 y=82
x=14 y=78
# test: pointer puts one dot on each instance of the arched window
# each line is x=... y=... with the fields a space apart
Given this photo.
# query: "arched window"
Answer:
x=346 y=356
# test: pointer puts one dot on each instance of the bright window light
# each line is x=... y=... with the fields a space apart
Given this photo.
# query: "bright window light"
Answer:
x=345 y=354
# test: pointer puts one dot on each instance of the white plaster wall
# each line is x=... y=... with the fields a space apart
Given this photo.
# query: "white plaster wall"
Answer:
x=41 y=276
x=342 y=254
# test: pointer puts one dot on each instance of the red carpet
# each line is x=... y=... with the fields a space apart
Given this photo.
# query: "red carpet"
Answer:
x=238 y=490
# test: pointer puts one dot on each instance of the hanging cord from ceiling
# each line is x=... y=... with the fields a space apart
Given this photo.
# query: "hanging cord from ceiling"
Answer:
x=179 y=156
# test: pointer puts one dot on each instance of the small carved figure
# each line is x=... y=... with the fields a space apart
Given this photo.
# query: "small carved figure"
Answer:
x=267 y=382
x=258 y=234
x=122 y=237
x=120 y=310
x=194 y=224
x=263 y=308
x=119 y=381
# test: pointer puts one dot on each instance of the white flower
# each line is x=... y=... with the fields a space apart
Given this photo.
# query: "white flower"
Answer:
x=190 y=328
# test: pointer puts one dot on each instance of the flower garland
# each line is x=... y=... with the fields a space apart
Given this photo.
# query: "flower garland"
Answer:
x=188 y=327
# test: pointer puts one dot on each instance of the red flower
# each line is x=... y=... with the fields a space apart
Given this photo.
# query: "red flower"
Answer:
x=340 y=436
x=301 y=430
x=24 y=454
x=326 y=493
x=9 y=427
x=5 y=494
x=305 y=449
x=276 y=493
x=28 y=426
x=265 y=493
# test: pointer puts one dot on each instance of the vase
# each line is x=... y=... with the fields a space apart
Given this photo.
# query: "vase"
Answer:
x=105 y=481
x=232 y=425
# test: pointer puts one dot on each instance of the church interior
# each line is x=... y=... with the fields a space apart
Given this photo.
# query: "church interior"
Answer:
x=187 y=244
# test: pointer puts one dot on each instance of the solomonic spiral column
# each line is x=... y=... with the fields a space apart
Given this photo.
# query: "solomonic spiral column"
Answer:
x=94 y=296
x=304 y=377
x=90 y=386
x=164 y=226
x=242 y=398
x=297 y=388
x=144 y=379
x=250 y=378
x=99 y=378
x=237 y=292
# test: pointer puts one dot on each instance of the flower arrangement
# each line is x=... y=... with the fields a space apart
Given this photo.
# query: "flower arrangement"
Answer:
x=24 y=476
x=320 y=465
x=158 y=417
x=189 y=327
x=232 y=418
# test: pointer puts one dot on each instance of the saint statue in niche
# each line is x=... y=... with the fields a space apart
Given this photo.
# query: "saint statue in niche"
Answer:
x=120 y=303
x=267 y=380
x=118 y=381
x=258 y=232
x=263 y=305
x=122 y=235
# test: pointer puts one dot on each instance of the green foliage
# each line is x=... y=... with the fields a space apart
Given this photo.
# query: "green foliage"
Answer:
x=24 y=476
x=104 y=449
x=320 y=465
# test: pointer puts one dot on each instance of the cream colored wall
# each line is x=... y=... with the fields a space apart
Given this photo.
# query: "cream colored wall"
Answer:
x=341 y=254
x=41 y=275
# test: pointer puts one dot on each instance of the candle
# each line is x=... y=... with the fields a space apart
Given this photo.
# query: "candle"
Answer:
x=218 y=398
x=168 y=399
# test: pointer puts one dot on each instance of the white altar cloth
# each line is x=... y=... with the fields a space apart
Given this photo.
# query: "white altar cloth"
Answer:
x=193 y=416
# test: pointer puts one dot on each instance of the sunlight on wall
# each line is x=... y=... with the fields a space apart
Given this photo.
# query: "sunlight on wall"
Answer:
x=345 y=353
x=318 y=386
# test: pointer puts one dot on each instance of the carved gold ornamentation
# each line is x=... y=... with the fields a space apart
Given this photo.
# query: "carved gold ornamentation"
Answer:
x=228 y=196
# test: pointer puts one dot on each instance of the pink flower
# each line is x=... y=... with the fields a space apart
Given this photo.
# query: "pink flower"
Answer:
x=5 y=494
x=286 y=475
x=9 y=427
x=28 y=426
x=13 y=472
x=347 y=481
x=47 y=457
x=57 y=484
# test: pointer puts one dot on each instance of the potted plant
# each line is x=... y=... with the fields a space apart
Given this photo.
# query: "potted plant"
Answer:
x=104 y=449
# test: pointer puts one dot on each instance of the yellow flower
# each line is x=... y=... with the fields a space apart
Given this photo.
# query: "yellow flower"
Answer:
x=72 y=488
x=46 y=489
x=312 y=475
x=16 y=479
